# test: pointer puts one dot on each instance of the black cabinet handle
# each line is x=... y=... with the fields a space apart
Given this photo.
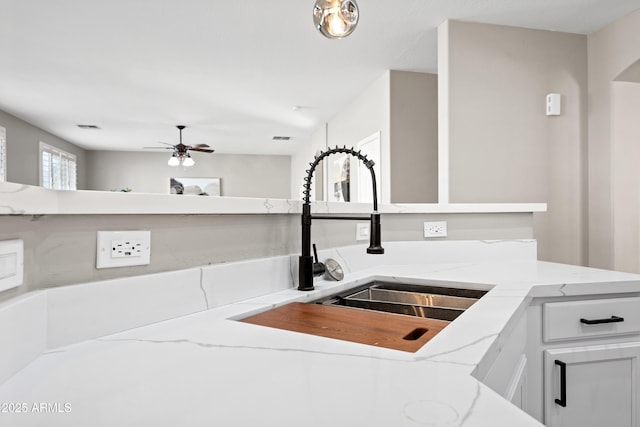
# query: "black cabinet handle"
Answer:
x=563 y=384
x=612 y=319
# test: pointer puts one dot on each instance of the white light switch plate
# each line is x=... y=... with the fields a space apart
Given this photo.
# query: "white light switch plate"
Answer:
x=123 y=248
x=11 y=264
x=362 y=231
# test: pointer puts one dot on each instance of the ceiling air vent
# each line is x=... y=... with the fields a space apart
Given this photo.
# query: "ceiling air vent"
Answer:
x=281 y=138
x=88 y=127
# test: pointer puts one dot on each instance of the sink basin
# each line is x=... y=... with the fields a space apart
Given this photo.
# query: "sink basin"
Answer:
x=429 y=301
x=368 y=314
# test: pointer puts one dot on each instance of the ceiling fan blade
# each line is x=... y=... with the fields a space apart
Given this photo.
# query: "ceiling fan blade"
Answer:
x=181 y=149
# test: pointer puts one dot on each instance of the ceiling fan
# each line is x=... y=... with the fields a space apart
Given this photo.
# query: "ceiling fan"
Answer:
x=181 y=151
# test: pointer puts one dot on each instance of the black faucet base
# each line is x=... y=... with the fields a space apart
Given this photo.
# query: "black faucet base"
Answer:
x=305 y=272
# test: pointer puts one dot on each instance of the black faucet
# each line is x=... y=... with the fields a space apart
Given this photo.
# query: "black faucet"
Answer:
x=307 y=268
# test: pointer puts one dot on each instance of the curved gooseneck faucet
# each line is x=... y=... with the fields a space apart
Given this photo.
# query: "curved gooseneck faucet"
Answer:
x=306 y=268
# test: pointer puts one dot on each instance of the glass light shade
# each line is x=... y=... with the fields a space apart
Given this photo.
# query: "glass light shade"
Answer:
x=335 y=19
x=188 y=161
x=173 y=161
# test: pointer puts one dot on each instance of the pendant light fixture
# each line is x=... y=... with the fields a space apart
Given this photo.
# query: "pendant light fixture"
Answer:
x=335 y=19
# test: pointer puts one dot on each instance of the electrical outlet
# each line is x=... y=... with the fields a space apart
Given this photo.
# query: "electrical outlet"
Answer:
x=123 y=248
x=435 y=229
x=126 y=248
x=362 y=231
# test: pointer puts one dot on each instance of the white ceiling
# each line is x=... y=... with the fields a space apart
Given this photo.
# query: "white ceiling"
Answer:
x=231 y=71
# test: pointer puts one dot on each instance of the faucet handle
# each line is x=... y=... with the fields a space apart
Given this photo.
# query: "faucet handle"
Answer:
x=318 y=267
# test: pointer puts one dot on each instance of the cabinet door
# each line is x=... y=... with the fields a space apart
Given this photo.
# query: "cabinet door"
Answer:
x=592 y=386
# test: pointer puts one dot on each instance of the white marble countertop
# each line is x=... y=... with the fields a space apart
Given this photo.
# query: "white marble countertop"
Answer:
x=19 y=199
x=206 y=369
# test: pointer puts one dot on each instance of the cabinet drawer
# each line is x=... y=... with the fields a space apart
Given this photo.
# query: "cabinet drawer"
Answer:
x=593 y=318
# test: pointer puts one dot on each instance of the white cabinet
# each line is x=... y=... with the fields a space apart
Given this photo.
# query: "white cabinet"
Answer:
x=592 y=386
x=608 y=317
x=585 y=355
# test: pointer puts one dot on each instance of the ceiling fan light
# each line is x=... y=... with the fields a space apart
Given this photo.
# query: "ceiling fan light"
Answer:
x=188 y=161
x=173 y=160
x=335 y=19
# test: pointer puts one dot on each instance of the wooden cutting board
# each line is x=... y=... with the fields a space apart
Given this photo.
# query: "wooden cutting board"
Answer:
x=395 y=331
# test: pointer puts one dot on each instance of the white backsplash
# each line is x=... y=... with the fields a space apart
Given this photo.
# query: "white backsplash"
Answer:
x=23 y=332
x=79 y=312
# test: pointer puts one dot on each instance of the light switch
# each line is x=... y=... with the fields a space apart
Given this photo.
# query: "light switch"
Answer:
x=554 y=104
x=11 y=264
x=362 y=231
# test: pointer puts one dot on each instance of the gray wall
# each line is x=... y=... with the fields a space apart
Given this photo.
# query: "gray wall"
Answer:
x=23 y=145
x=502 y=146
x=61 y=249
x=414 y=137
x=611 y=51
x=625 y=152
x=148 y=172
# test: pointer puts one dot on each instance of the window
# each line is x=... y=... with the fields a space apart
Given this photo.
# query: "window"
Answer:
x=57 y=168
x=3 y=154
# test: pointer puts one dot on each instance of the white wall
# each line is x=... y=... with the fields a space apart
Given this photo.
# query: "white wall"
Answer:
x=300 y=163
x=368 y=113
x=502 y=146
x=402 y=106
x=148 y=172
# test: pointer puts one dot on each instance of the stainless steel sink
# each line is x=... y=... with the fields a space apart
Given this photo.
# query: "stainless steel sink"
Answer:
x=430 y=301
x=375 y=293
